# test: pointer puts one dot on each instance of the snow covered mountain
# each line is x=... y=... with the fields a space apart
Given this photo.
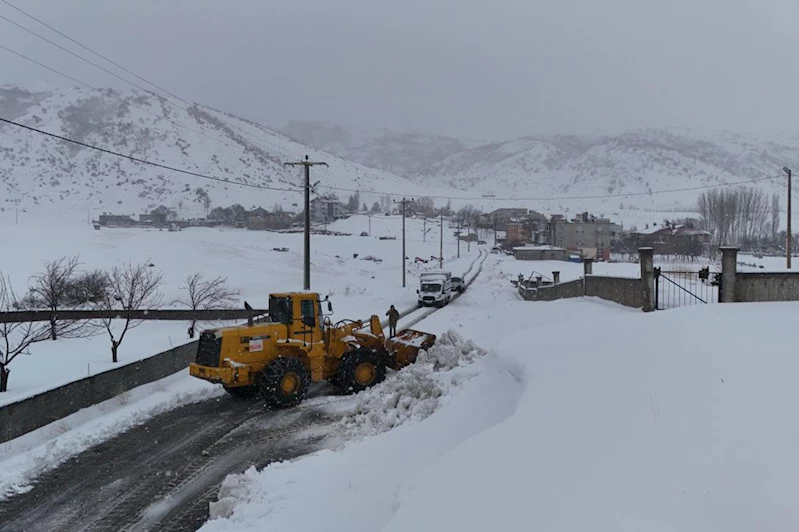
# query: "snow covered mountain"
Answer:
x=613 y=170
x=636 y=162
x=400 y=153
x=43 y=174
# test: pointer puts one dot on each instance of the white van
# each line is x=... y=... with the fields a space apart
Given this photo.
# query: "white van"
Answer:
x=435 y=289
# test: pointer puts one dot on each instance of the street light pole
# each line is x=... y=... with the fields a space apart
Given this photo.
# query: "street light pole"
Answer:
x=789 y=236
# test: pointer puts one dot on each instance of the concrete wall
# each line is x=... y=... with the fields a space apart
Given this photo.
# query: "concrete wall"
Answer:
x=29 y=414
x=541 y=254
x=553 y=292
x=627 y=292
x=766 y=286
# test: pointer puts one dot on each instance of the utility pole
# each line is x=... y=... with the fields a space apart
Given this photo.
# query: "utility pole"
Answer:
x=469 y=235
x=404 y=202
x=424 y=229
x=495 y=229
x=459 y=239
x=441 y=243
x=307 y=270
x=789 y=236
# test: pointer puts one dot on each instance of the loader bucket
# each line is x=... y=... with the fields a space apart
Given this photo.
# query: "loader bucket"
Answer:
x=404 y=347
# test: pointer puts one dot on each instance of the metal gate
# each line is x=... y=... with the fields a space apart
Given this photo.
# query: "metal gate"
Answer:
x=682 y=288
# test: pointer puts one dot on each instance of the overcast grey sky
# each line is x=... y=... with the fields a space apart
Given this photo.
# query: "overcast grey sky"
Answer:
x=485 y=70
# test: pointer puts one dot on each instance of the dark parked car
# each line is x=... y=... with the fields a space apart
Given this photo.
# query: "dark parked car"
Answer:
x=458 y=285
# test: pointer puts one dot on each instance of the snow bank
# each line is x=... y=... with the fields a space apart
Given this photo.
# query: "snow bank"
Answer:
x=684 y=425
x=416 y=391
x=582 y=416
x=23 y=459
x=357 y=487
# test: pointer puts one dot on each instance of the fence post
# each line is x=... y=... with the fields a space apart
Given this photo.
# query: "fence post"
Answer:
x=588 y=266
x=555 y=277
x=647 y=259
x=729 y=272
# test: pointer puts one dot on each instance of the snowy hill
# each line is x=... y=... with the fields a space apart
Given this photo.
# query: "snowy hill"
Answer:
x=400 y=153
x=635 y=162
x=41 y=174
x=564 y=166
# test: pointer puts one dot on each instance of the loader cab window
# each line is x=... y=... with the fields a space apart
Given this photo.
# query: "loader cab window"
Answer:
x=307 y=312
x=280 y=310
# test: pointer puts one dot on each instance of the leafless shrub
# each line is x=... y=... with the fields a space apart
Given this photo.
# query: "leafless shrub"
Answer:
x=130 y=287
x=15 y=338
x=201 y=294
x=62 y=286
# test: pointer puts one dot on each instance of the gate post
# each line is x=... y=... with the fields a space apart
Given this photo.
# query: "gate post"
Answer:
x=555 y=277
x=588 y=266
x=647 y=260
x=729 y=271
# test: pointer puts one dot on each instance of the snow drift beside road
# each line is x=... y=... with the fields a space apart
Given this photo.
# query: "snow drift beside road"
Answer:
x=368 y=473
x=609 y=421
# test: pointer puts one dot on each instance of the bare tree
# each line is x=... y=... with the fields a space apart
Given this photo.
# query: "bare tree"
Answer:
x=775 y=216
x=53 y=289
x=15 y=338
x=130 y=287
x=200 y=294
x=735 y=215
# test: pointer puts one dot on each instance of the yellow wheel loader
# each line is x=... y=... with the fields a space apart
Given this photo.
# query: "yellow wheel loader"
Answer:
x=297 y=343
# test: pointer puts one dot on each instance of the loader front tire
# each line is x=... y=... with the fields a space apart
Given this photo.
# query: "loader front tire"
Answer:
x=360 y=369
x=284 y=382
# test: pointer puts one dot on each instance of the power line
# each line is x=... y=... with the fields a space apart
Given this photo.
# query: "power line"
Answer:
x=132 y=83
x=144 y=161
x=563 y=198
x=223 y=180
x=98 y=54
x=76 y=80
x=70 y=52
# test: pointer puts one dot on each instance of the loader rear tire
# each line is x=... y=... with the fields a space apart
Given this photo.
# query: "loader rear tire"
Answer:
x=241 y=392
x=284 y=382
x=360 y=369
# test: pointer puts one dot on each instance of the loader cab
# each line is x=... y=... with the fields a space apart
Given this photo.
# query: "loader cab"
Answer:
x=301 y=313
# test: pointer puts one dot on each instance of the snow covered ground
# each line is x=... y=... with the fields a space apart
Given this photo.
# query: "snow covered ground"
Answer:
x=583 y=415
x=357 y=287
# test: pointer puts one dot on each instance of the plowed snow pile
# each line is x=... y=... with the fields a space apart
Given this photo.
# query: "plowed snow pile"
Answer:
x=473 y=388
x=416 y=391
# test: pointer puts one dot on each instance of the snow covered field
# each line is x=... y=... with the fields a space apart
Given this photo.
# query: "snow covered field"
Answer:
x=569 y=415
x=356 y=286
x=583 y=415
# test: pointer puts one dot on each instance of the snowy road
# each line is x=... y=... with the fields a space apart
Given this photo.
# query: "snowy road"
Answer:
x=162 y=474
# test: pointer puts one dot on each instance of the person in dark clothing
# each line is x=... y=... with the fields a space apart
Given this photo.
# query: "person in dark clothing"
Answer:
x=393 y=318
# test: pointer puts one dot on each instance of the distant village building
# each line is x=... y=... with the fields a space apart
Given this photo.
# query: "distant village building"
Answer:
x=673 y=239
x=540 y=253
x=326 y=210
x=116 y=220
x=260 y=219
x=591 y=236
x=505 y=215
